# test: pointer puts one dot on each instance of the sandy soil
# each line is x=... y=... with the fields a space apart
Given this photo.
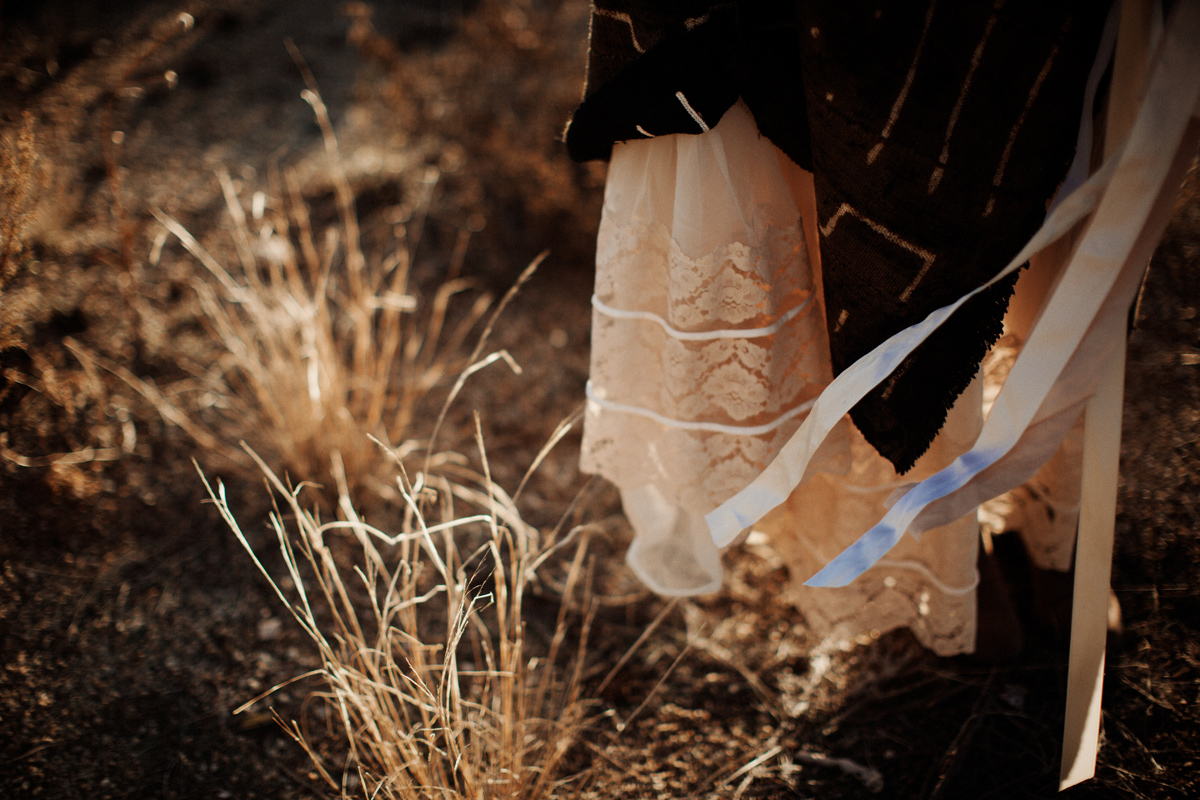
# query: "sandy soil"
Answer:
x=132 y=623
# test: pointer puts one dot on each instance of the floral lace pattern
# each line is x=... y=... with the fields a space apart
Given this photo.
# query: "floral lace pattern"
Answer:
x=738 y=285
x=708 y=346
x=926 y=585
x=740 y=381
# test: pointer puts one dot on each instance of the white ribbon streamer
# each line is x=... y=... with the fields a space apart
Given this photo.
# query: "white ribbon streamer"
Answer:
x=701 y=336
x=594 y=396
x=788 y=469
x=1091 y=297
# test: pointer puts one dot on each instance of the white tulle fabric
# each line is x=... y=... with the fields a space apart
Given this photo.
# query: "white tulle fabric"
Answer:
x=708 y=346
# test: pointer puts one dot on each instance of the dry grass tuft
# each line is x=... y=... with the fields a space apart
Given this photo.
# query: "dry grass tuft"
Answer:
x=437 y=688
x=325 y=346
x=431 y=676
x=429 y=671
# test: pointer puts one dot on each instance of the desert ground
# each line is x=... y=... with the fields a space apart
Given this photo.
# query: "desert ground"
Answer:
x=134 y=622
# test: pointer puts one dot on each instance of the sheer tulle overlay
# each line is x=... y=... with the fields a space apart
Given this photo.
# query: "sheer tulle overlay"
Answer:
x=708 y=347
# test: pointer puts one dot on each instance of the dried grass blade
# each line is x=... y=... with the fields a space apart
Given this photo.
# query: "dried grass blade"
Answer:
x=165 y=408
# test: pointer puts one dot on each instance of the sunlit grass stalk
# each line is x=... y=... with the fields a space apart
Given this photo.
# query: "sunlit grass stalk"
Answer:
x=417 y=722
x=324 y=344
x=328 y=358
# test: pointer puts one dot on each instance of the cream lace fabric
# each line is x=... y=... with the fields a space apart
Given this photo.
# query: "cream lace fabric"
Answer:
x=926 y=584
x=708 y=348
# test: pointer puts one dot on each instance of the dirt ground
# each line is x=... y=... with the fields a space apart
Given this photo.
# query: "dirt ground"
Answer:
x=131 y=621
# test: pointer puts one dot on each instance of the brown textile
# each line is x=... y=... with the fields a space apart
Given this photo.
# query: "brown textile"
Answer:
x=937 y=133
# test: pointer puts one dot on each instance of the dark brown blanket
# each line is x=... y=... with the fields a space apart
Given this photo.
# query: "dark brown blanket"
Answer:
x=937 y=133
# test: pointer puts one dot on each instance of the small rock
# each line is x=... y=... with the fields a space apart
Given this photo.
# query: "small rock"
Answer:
x=269 y=628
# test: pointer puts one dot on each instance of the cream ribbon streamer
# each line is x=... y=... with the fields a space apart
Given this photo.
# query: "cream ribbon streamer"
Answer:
x=1056 y=372
x=1140 y=30
x=789 y=468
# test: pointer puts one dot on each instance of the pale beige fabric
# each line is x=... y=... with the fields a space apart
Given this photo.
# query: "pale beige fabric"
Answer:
x=708 y=346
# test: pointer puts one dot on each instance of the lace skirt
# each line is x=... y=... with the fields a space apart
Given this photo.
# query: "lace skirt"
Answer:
x=708 y=348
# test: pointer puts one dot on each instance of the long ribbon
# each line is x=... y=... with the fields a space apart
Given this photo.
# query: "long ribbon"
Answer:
x=1099 y=281
x=789 y=468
